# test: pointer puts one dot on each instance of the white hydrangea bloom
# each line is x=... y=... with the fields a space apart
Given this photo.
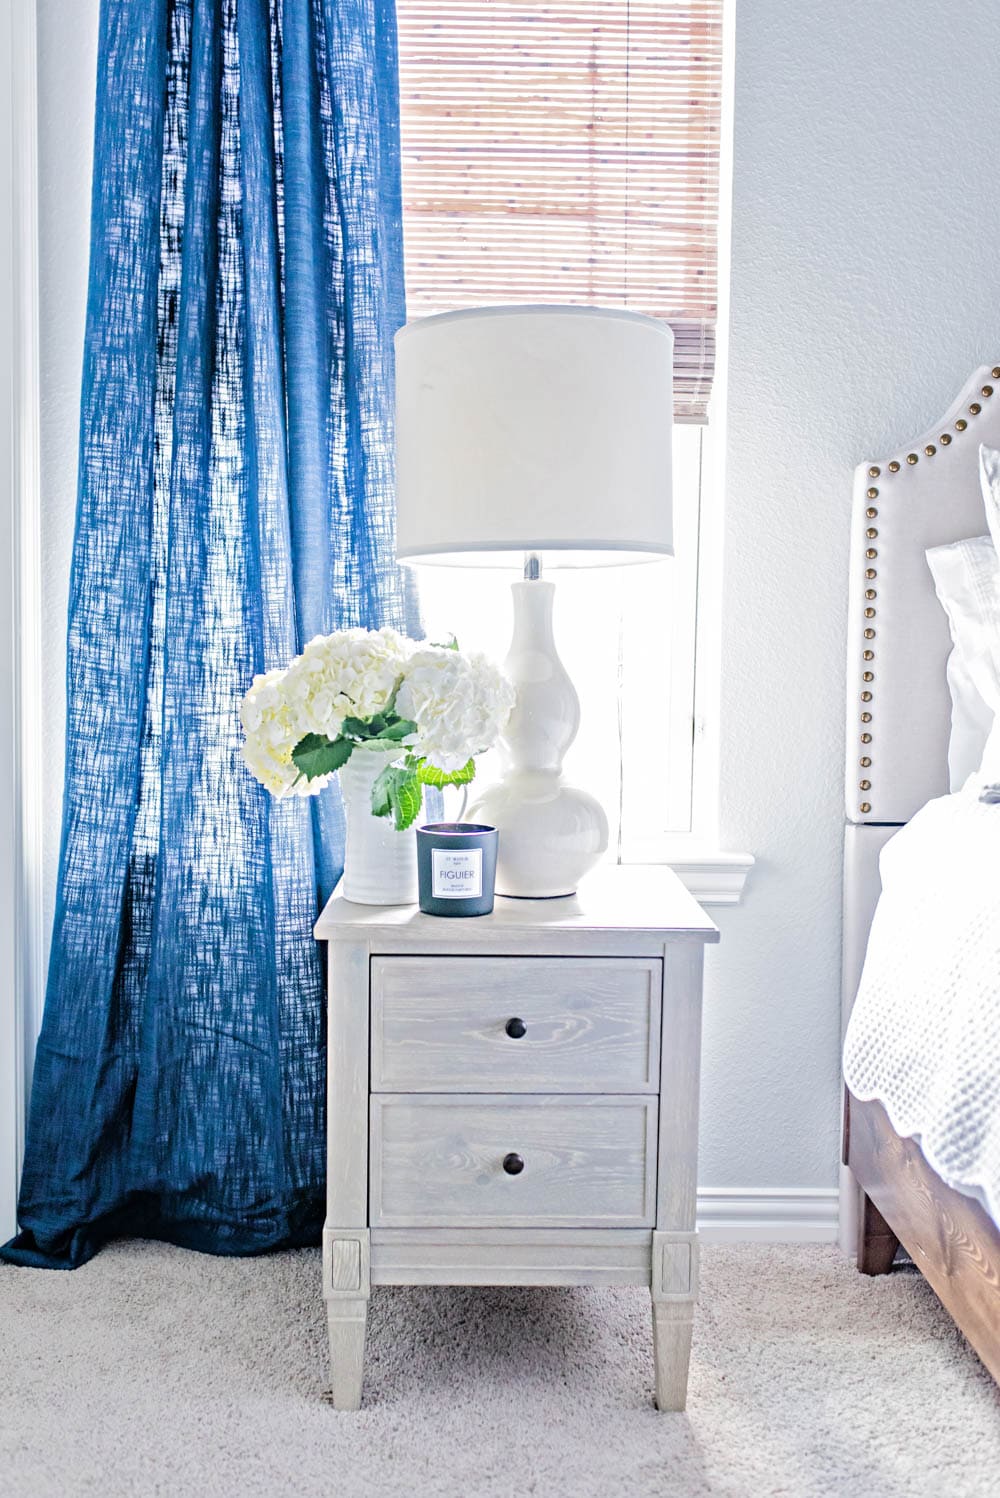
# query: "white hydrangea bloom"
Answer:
x=272 y=731
x=349 y=674
x=460 y=703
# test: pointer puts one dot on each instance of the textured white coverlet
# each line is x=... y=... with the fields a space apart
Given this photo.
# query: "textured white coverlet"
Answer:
x=924 y=1034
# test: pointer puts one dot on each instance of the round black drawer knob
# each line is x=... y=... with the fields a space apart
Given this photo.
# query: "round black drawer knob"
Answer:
x=513 y=1164
x=516 y=1028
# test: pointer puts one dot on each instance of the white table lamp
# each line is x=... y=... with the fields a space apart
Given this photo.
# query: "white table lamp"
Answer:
x=538 y=437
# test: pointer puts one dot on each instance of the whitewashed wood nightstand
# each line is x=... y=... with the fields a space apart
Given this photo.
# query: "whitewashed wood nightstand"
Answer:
x=513 y=1100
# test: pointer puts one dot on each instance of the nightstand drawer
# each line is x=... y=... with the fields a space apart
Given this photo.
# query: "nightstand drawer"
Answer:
x=446 y=1161
x=515 y=1024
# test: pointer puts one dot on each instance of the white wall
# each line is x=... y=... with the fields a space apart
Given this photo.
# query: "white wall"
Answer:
x=865 y=288
x=866 y=224
x=67 y=71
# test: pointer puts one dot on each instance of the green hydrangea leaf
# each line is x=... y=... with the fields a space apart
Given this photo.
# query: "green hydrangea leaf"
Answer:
x=431 y=775
x=317 y=755
x=381 y=800
x=398 y=730
x=406 y=801
x=397 y=792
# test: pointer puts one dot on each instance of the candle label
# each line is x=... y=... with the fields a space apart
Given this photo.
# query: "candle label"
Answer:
x=457 y=873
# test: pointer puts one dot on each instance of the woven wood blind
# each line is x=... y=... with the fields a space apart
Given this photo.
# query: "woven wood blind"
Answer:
x=566 y=153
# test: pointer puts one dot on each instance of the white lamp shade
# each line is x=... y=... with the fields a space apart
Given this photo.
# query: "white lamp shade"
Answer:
x=542 y=429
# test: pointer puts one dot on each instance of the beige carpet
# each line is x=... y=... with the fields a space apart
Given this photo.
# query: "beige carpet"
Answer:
x=155 y=1371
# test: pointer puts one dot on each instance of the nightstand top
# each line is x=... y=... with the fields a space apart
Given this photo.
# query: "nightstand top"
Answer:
x=646 y=899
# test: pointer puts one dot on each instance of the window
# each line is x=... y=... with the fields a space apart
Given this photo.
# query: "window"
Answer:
x=570 y=153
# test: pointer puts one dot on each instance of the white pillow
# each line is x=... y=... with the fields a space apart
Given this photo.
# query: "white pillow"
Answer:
x=989 y=480
x=971 y=721
x=988 y=773
x=967 y=582
x=989 y=483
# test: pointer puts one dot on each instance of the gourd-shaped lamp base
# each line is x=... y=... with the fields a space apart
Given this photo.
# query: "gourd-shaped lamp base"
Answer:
x=551 y=833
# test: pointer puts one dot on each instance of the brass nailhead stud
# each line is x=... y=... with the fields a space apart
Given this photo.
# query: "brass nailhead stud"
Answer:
x=961 y=424
x=870 y=593
x=870 y=572
x=893 y=466
x=873 y=494
x=865 y=808
x=871 y=533
x=868 y=675
x=930 y=449
x=988 y=389
x=871 y=554
x=869 y=613
x=864 y=761
x=874 y=472
x=995 y=372
x=864 y=785
x=945 y=439
x=866 y=738
x=866 y=696
x=975 y=408
x=869 y=634
x=868 y=655
x=912 y=458
x=866 y=717
x=871 y=512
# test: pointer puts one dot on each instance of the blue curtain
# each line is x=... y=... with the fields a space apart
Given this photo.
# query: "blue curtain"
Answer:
x=235 y=499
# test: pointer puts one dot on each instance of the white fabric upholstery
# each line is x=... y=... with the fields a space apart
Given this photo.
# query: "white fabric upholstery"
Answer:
x=928 y=503
x=862 y=887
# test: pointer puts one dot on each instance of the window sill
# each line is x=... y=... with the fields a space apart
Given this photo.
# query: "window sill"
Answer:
x=713 y=878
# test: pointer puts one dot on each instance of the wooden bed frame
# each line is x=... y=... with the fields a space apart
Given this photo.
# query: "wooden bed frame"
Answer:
x=948 y=1236
x=898 y=723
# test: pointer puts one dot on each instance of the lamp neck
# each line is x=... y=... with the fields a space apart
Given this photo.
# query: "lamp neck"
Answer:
x=532 y=567
x=547 y=712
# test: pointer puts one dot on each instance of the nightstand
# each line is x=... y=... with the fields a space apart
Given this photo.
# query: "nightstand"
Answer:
x=513 y=1100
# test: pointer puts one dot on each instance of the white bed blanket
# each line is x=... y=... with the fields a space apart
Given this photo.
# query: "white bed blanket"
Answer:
x=924 y=1035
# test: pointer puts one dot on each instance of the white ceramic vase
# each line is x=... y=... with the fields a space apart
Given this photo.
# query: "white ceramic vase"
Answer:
x=380 y=864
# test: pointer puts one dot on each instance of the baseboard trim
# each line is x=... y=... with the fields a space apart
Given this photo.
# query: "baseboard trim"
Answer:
x=768 y=1214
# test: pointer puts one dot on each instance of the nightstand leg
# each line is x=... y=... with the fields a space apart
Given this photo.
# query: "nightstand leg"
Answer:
x=346 y=1286
x=347 y=1319
x=674 y=1292
x=673 y=1323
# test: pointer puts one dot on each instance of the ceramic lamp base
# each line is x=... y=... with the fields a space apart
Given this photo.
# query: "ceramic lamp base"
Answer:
x=551 y=833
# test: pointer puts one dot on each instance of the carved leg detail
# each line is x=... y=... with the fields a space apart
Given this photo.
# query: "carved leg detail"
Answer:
x=347 y=1287
x=877 y=1243
x=674 y=1292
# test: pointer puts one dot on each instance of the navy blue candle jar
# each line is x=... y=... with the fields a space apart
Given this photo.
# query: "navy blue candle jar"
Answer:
x=456 y=867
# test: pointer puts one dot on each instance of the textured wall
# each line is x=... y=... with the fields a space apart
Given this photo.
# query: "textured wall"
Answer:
x=865 y=288
x=866 y=221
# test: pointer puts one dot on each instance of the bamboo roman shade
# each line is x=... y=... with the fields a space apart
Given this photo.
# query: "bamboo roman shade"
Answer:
x=566 y=153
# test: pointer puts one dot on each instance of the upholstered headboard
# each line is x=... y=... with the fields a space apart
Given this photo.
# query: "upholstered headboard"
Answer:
x=898 y=703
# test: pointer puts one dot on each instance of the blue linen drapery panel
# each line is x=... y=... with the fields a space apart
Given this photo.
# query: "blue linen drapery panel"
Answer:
x=235 y=498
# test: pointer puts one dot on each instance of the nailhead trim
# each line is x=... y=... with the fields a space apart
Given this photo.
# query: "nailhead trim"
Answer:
x=871 y=534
